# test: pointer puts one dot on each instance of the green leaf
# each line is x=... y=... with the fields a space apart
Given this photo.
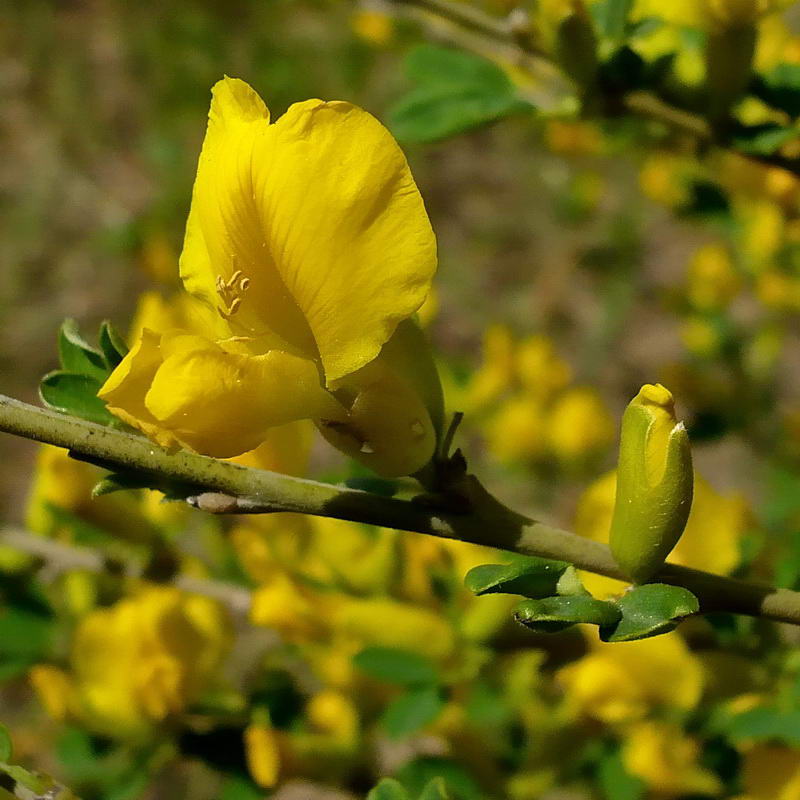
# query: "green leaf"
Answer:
x=612 y=17
x=76 y=395
x=6 y=748
x=79 y=356
x=239 y=788
x=25 y=635
x=417 y=774
x=456 y=91
x=765 y=724
x=112 y=344
x=650 y=610
x=529 y=577
x=615 y=782
x=388 y=789
x=764 y=140
x=553 y=614
x=780 y=88
x=412 y=711
x=396 y=666
x=435 y=790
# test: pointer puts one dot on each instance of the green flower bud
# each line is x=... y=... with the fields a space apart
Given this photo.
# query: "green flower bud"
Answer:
x=654 y=484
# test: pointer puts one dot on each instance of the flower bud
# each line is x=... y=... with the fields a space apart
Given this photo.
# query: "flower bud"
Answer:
x=654 y=484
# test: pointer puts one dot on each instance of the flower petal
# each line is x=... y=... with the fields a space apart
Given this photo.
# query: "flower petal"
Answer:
x=320 y=216
x=222 y=404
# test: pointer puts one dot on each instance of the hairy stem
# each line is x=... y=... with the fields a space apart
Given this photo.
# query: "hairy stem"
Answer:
x=221 y=487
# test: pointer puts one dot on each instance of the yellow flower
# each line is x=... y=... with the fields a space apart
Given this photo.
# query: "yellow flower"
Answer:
x=712 y=278
x=373 y=27
x=309 y=239
x=541 y=371
x=517 y=432
x=771 y=772
x=579 y=425
x=138 y=661
x=666 y=760
x=262 y=754
x=496 y=372
x=623 y=682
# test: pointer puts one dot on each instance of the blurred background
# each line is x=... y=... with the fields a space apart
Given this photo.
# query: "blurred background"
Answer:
x=579 y=259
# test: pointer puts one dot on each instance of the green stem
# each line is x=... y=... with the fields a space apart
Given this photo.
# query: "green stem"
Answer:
x=222 y=486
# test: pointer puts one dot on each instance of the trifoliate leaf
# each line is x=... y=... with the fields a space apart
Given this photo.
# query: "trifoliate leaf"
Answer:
x=412 y=711
x=553 y=614
x=529 y=577
x=650 y=610
x=456 y=91
x=396 y=666
x=77 y=355
x=75 y=395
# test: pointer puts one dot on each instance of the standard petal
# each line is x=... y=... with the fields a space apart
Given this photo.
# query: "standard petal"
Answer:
x=227 y=260
x=348 y=230
x=222 y=404
x=311 y=229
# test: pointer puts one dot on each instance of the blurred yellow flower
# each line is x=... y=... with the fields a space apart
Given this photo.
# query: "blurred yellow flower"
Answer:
x=517 y=432
x=262 y=754
x=373 y=27
x=139 y=661
x=579 y=425
x=310 y=331
x=623 y=682
x=712 y=279
x=667 y=760
x=771 y=772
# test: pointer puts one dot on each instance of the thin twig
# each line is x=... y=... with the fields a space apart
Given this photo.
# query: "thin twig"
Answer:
x=488 y=523
x=72 y=557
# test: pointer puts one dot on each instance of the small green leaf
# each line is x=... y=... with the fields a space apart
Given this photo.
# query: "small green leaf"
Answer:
x=6 y=748
x=373 y=485
x=396 y=666
x=435 y=790
x=456 y=91
x=112 y=344
x=764 y=140
x=412 y=711
x=529 y=577
x=417 y=774
x=25 y=635
x=765 y=724
x=612 y=17
x=388 y=789
x=650 y=610
x=615 y=782
x=76 y=395
x=240 y=788
x=553 y=614
x=79 y=356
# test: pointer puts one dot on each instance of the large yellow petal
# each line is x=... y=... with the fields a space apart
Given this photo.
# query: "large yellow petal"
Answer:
x=183 y=389
x=320 y=216
x=222 y=404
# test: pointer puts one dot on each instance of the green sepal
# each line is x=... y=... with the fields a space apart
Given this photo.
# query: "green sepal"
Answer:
x=650 y=610
x=112 y=344
x=77 y=355
x=553 y=614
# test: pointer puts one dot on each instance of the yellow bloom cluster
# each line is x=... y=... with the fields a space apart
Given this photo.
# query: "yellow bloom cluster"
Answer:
x=137 y=662
x=531 y=410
